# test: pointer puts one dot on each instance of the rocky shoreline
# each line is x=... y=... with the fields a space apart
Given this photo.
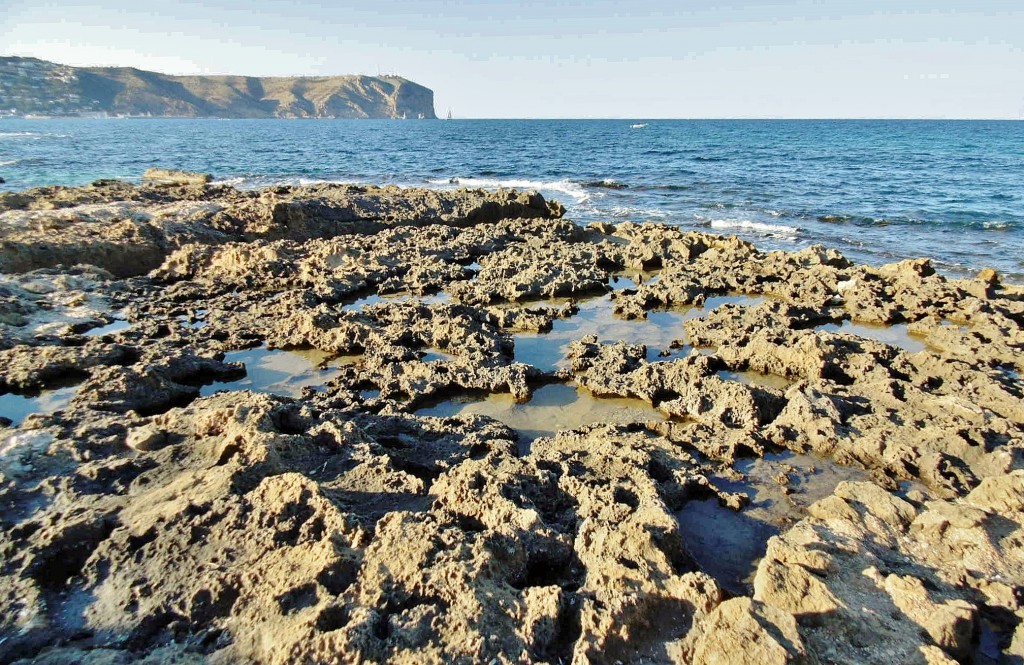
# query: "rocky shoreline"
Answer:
x=860 y=428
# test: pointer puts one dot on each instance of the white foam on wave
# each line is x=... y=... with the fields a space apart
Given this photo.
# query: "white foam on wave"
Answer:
x=233 y=182
x=576 y=191
x=31 y=135
x=10 y=162
x=750 y=225
x=568 y=187
x=605 y=183
x=631 y=212
x=302 y=182
x=256 y=182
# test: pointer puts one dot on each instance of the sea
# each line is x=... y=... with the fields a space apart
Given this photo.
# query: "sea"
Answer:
x=876 y=190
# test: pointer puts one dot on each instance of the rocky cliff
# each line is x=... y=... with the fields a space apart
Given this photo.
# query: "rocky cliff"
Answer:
x=31 y=86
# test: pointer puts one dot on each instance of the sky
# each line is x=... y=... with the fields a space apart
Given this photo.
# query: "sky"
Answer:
x=576 y=59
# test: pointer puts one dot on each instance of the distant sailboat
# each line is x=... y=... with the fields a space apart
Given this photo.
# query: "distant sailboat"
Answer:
x=449 y=114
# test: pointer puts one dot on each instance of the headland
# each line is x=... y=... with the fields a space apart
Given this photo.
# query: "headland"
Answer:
x=37 y=88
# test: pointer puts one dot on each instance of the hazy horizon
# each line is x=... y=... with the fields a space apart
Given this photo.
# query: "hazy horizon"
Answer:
x=574 y=60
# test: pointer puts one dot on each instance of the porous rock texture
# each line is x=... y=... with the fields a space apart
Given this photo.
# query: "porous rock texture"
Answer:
x=153 y=519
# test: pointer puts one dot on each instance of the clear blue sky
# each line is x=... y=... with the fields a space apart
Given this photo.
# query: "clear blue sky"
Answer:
x=594 y=58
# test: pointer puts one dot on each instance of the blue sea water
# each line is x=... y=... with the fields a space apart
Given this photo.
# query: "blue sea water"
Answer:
x=876 y=190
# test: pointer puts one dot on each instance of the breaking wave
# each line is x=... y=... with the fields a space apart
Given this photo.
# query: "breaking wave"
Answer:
x=634 y=212
x=31 y=135
x=750 y=225
x=567 y=187
x=256 y=182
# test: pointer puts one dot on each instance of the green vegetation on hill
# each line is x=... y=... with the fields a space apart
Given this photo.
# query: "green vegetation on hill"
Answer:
x=31 y=86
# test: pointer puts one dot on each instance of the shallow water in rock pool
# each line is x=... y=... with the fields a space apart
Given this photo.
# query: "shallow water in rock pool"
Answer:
x=546 y=351
x=895 y=335
x=727 y=544
x=117 y=325
x=432 y=355
x=18 y=407
x=550 y=409
x=757 y=379
x=358 y=304
x=283 y=372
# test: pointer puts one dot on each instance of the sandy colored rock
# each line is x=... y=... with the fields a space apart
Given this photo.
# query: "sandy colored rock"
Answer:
x=989 y=276
x=152 y=518
x=143 y=225
x=895 y=586
x=175 y=177
x=949 y=624
x=146 y=438
x=744 y=631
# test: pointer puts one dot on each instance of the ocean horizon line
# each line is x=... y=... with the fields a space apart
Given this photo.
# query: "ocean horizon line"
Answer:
x=539 y=118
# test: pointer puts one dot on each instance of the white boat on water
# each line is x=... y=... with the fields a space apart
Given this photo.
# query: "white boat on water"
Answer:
x=639 y=125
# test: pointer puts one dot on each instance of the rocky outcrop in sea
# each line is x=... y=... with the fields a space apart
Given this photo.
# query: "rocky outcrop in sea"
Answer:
x=340 y=423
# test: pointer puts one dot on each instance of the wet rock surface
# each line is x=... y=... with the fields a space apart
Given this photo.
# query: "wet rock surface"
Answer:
x=349 y=506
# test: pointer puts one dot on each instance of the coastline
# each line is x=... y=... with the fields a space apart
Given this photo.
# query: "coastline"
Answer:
x=876 y=191
x=154 y=517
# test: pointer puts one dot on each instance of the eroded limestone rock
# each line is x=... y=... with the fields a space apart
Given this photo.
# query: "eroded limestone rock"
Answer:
x=144 y=523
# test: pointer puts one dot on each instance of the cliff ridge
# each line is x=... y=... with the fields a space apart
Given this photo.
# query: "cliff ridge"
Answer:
x=29 y=86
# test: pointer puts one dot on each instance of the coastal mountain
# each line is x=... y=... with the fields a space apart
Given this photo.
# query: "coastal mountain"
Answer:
x=29 y=86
